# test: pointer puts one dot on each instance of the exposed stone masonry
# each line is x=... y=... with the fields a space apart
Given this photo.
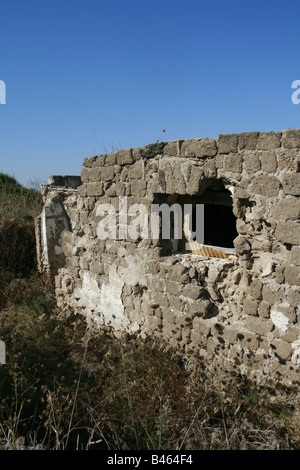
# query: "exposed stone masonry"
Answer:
x=239 y=314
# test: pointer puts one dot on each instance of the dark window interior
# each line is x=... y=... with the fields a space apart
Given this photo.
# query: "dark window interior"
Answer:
x=219 y=225
x=219 y=220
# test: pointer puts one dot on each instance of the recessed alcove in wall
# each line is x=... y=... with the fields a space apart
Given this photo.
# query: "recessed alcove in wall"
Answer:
x=202 y=224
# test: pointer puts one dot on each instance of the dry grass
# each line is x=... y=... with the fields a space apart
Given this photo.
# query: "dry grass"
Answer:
x=16 y=201
x=66 y=388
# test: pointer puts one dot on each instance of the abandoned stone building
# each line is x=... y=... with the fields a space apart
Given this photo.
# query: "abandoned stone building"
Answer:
x=230 y=294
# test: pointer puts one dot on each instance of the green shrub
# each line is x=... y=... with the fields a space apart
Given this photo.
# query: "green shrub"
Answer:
x=18 y=207
x=18 y=247
x=16 y=201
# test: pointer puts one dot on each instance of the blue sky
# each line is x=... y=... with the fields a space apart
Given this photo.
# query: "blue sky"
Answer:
x=84 y=77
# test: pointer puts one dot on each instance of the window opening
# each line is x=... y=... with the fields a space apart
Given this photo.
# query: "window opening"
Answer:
x=218 y=221
x=211 y=210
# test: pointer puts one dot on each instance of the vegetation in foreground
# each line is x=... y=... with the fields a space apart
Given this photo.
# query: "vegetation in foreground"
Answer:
x=64 y=387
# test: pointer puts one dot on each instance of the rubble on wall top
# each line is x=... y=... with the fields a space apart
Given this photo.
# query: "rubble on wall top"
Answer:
x=204 y=147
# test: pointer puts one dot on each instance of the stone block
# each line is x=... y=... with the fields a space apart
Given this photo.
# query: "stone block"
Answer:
x=293 y=297
x=197 y=339
x=177 y=272
x=107 y=173
x=202 y=326
x=292 y=275
x=219 y=160
x=264 y=309
x=124 y=157
x=279 y=274
x=151 y=150
x=176 y=302
x=248 y=140
x=170 y=330
x=287 y=209
x=266 y=185
x=288 y=232
x=136 y=171
x=249 y=340
x=138 y=188
x=259 y=325
x=173 y=148
x=295 y=255
x=288 y=159
x=193 y=292
x=291 y=138
x=94 y=189
x=94 y=174
x=251 y=306
x=213 y=292
x=174 y=343
x=128 y=303
x=136 y=153
x=287 y=312
x=256 y=289
x=240 y=193
x=229 y=334
x=84 y=217
x=252 y=163
x=96 y=267
x=292 y=334
x=233 y=163
x=88 y=162
x=213 y=274
x=82 y=190
x=152 y=323
x=195 y=180
x=200 y=148
x=241 y=245
x=100 y=160
x=212 y=344
x=183 y=320
x=111 y=191
x=84 y=264
x=173 y=287
x=85 y=174
x=168 y=314
x=199 y=307
x=282 y=348
x=272 y=294
x=157 y=285
x=210 y=169
x=67 y=237
x=269 y=140
x=268 y=162
x=291 y=183
x=228 y=143
x=175 y=181
x=111 y=159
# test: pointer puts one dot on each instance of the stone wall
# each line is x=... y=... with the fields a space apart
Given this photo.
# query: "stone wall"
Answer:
x=239 y=312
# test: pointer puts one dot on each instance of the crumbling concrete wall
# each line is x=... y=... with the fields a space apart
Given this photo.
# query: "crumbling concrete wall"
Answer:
x=240 y=312
x=59 y=198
